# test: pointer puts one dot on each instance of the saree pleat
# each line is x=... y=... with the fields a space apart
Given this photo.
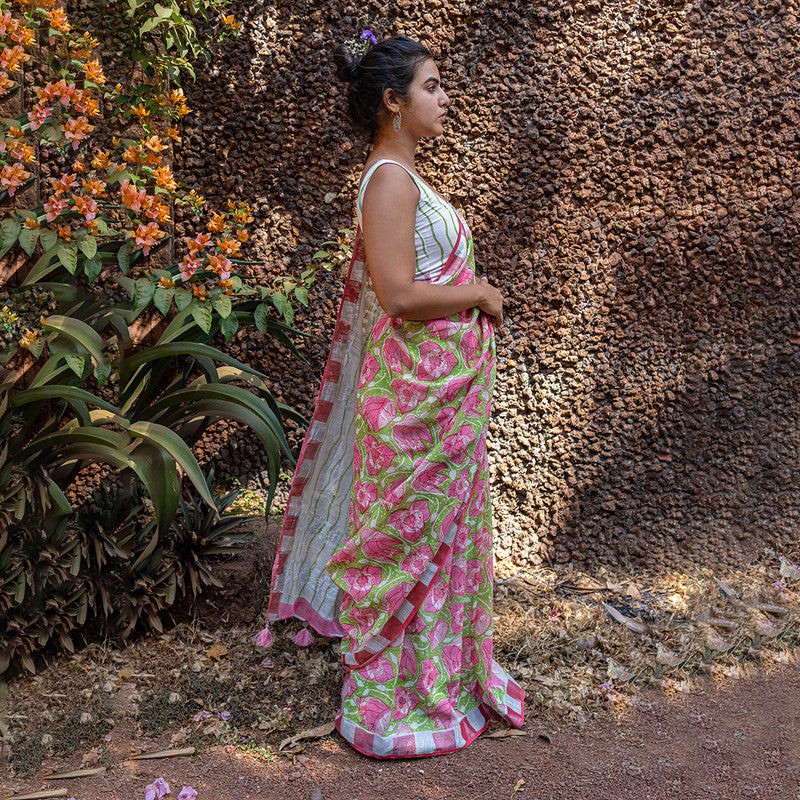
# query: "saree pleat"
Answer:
x=410 y=570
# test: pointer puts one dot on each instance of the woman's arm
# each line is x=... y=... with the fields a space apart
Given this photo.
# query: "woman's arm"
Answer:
x=388 y=214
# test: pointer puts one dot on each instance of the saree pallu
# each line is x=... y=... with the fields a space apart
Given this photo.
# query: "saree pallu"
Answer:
x=410 y=564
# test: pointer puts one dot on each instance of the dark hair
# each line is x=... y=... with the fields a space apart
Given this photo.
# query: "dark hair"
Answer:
x=390 y=64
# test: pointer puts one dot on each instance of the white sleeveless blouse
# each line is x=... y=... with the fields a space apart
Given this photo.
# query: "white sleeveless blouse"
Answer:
x=435 y=227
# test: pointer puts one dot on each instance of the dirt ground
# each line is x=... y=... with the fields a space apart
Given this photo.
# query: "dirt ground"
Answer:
x=741 y=740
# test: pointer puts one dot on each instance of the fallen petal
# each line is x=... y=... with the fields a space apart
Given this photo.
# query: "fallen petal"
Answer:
x=187 y=793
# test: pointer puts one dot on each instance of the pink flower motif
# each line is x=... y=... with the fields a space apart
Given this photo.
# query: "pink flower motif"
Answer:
x=395 y=596
x=451 y=655
x=374 y=714
x=395 y=491
x=410 y=522
x=363 y=618
x=379 y=455
x=442 y=714
x=475 y=575
x=479 y=500
x=456 y=446
x=444 y=419
x=458 y=580
x=379 y=546
x=470 y=345
x=409 y=393
x=486 y=653
x=453 y=389
x=412 y=435
x=474 y=404
x=435 y=598
x=396 y=355
x=456 y=619
x=427 y=678
x=460 y=487
x=483 y=539
x=187 y=793
x=369 y=369
x=156 y=790
x=408 y=661
x=303 y=638
x=380 y=670
x=443 y=328
x=378 y=411
x=404 y=703
x=361 y=580
x=469 y=653
x=440 y=632
x=264 y=637
x=435 y=362
x=479 y=620
x=431 y=478
x=414 y=563
x=365 y=494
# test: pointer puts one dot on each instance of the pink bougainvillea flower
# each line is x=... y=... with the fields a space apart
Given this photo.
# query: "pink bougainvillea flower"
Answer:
x=264 y=638
x=222 y=266
x=200 y=716
x=12 y=176
x=38 y=116
x=187 y=793
x=132 y=197
x=76 y=130
x=188 y=267
x=148 y=235
x=86 y=206
x=53 y=207
x=303 y=638
x=156 y=790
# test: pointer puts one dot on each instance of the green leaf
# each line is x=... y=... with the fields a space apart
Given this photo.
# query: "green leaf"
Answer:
x=321 y=254
x=9 y=232
x=168 y=440
x=183 y=298
x=28 y=238
x=162 y=11
x=78 y=331
x=260 y=317
x=228 y=326
x=102 y=371
x=162 y=298
x=68 y=255
x=87 y=244
x=92 y=267
x=144 y=292
x=150 y=24
x=124 y=258
x=302 y=295
x=76 y=363
x=49 y=239
x=201 y=312
x=222 y=305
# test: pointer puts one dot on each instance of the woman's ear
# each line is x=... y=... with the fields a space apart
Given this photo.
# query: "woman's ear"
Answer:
x=391 y=101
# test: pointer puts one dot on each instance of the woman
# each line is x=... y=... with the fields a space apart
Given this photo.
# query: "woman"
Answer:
x=387 y=537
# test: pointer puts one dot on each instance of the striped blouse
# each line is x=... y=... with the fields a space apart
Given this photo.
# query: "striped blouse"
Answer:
x=435 y=227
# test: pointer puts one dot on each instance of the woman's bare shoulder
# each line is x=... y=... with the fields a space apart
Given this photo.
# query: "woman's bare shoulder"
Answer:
x=389 y=181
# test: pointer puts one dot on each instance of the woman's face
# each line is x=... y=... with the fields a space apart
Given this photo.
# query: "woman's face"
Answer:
x=424 y=112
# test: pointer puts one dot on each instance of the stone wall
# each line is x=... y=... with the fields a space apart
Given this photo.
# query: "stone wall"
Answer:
x=630 y=173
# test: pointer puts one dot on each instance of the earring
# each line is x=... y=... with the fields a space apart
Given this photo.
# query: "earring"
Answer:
x=397 y=121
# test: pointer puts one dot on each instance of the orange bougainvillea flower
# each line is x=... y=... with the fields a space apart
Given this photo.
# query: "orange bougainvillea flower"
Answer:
x=217 y=223
x=227 y=286
x=241 y=235
x=63 y=184
x=76 y=130
x=199 y=242
x=31 y=222
x=155 y=144
x=157 y=211
x=15 y=132
x=148 y=235
x=65 y=233
x=132 y=197
x=174 y=134
x=79 y=165
x=84 y=103
x=222 y=266
x=95 y=187
x=94 y=72
x=10 y=58
x=102 y=160
x=12 y=176
x=86 y=206
x=6 y=82
x=58 y=20
x=229 y=246
x=199 y=291
x=132 y=154
x=65 y=91
x=167 y=283
x=151 y=159
x=22 y=152
x=163 y=176
x=28 y=338
x=140 y=111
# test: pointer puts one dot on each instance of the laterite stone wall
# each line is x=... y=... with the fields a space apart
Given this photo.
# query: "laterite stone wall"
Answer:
x=630 y=172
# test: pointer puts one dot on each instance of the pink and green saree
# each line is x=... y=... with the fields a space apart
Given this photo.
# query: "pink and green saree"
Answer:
x=388 y=532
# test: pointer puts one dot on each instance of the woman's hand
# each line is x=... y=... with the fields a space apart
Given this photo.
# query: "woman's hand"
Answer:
x=492 y=304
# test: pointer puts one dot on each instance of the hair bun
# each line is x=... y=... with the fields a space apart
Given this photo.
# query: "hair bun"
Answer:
x=347 y=63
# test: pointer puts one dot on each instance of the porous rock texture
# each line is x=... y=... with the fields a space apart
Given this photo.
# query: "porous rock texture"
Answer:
x=630 y=173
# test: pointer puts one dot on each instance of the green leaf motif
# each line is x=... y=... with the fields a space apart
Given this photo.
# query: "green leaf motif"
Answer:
x=28 y=238
x=68 y=256
x=201 y=311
